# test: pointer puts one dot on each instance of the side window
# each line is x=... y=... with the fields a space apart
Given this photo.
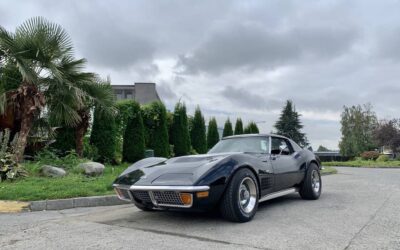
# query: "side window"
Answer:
x=280 y=146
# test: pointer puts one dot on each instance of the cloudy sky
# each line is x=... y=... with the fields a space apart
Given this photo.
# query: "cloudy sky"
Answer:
x=241 y=58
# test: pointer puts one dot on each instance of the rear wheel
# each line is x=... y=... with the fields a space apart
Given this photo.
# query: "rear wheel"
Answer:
x=312 y=185
x=240 y=200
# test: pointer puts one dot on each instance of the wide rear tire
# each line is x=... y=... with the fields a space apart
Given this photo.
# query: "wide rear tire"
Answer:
x=312 y=186
x=240 y=200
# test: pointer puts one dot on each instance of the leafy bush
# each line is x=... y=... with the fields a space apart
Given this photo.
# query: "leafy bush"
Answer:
x=369 y=155
x=9 y=168
x=49 y=157
x=104 y=136
x=133 y=143
x=89 y=151
x=65 y=140
x=383 y=158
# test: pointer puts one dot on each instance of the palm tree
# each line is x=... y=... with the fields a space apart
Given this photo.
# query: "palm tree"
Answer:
x=42 y=52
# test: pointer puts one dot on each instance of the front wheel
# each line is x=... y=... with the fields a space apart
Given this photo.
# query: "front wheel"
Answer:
x=240 y=200
x=312 y=185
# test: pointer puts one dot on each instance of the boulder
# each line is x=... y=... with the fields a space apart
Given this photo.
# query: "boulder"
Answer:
x=92 y=168
x=51 y=171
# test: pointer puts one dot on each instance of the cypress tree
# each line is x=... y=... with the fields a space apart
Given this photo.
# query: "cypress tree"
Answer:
x=238 y=127
x=133 y=143
x=156 y=128
x=228 y=131
x=289 y=124
x=180 y=131
x=198 y=132
x=103 y=136
x=212 y=133
x=251 y=128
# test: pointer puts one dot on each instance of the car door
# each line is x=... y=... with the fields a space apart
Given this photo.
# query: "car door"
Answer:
x=286 y=163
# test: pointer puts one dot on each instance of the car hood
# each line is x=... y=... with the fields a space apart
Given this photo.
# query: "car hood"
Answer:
x=185 y=170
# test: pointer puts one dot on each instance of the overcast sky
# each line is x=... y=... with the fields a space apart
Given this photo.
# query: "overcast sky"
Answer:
x=241 y=58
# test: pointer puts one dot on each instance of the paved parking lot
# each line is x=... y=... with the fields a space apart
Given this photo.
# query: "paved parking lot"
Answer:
x=359 y=209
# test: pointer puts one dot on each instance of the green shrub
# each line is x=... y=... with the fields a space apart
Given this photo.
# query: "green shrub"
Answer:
x=228 y=131
x=133 y=143
x=369 y=155
x=65 y=140
x=383 y=158
x=89 y=151
x=49 y=157
x=104 y=136
x=251 y=128
x=198 y=132
x=180 y=131
x=124 y=112
x=9 y=167
x=238 y=127
x=212 y=133
x=156 y=128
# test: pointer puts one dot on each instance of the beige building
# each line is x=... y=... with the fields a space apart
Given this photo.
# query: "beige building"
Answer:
x=142 y=92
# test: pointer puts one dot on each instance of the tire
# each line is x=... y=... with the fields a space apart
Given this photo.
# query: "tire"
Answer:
x=312 y=185
x=240 y=200
x=143 y=207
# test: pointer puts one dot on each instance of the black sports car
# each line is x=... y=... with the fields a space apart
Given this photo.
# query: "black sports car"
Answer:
x=235 y=175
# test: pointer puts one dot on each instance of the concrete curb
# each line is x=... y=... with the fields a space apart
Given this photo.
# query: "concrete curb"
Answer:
x=93 y=201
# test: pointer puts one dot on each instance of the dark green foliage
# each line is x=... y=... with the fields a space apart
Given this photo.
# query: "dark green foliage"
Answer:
x=198 y=132
x=322 y=149
x=289 y=124
x=212 y=133
x=251 y=128
x=65 y=140
x=156 y=128
x=103 y=136
x=238 y=127
x=228 y=131
x=10 y=77
x=358 y=124
x=180 y=131
x=133 y=143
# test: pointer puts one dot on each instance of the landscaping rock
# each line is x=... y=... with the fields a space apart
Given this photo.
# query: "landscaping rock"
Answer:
x=51 y=171
x=92 y=168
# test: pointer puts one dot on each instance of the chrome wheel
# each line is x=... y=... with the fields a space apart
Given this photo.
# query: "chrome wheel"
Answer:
x=315 y=181
x=247 y=195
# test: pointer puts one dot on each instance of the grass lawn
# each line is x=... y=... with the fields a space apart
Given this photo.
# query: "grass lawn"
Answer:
x=363 y=163
x=36 y=187
x=328 y=170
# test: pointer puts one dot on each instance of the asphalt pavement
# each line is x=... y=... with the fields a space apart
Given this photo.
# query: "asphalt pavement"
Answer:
x=358 y=209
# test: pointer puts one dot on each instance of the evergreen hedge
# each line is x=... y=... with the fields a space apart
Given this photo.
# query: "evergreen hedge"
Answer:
x=156 y=128
x=180 y=138
x=238 y=127
x=198 y=132
x=133 y=143
x=251 y=128
x=212 y=133
x=103 y=136
x=228 y=131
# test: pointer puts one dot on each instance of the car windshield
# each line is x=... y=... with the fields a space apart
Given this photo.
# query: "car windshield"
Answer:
x=256 y=144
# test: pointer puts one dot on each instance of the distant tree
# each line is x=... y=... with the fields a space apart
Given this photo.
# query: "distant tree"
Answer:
x=103 y=136
x=212 y=133
x=289 y=124
x=238 y=127
x=322 y=149
x=358 y=124
x=251 y=128
x=387 y=133
x=198 y=132
x=228 y=131
x=156 y=128
x=180 y=131
x=133 y=142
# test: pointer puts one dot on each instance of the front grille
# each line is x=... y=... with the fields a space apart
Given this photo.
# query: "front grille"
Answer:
x=167 y=198
x=142 y=196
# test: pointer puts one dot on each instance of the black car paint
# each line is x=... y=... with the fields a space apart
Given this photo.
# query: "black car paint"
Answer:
x=273 y=172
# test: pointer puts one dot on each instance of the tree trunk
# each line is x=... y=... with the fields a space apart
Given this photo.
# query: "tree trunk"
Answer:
x=28 y=100
x=81 y=130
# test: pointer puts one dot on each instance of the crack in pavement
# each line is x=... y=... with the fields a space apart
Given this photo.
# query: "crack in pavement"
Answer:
x=368 y=222
x=186 y=236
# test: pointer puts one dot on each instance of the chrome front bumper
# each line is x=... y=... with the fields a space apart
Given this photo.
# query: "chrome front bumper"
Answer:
x=159 y=196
